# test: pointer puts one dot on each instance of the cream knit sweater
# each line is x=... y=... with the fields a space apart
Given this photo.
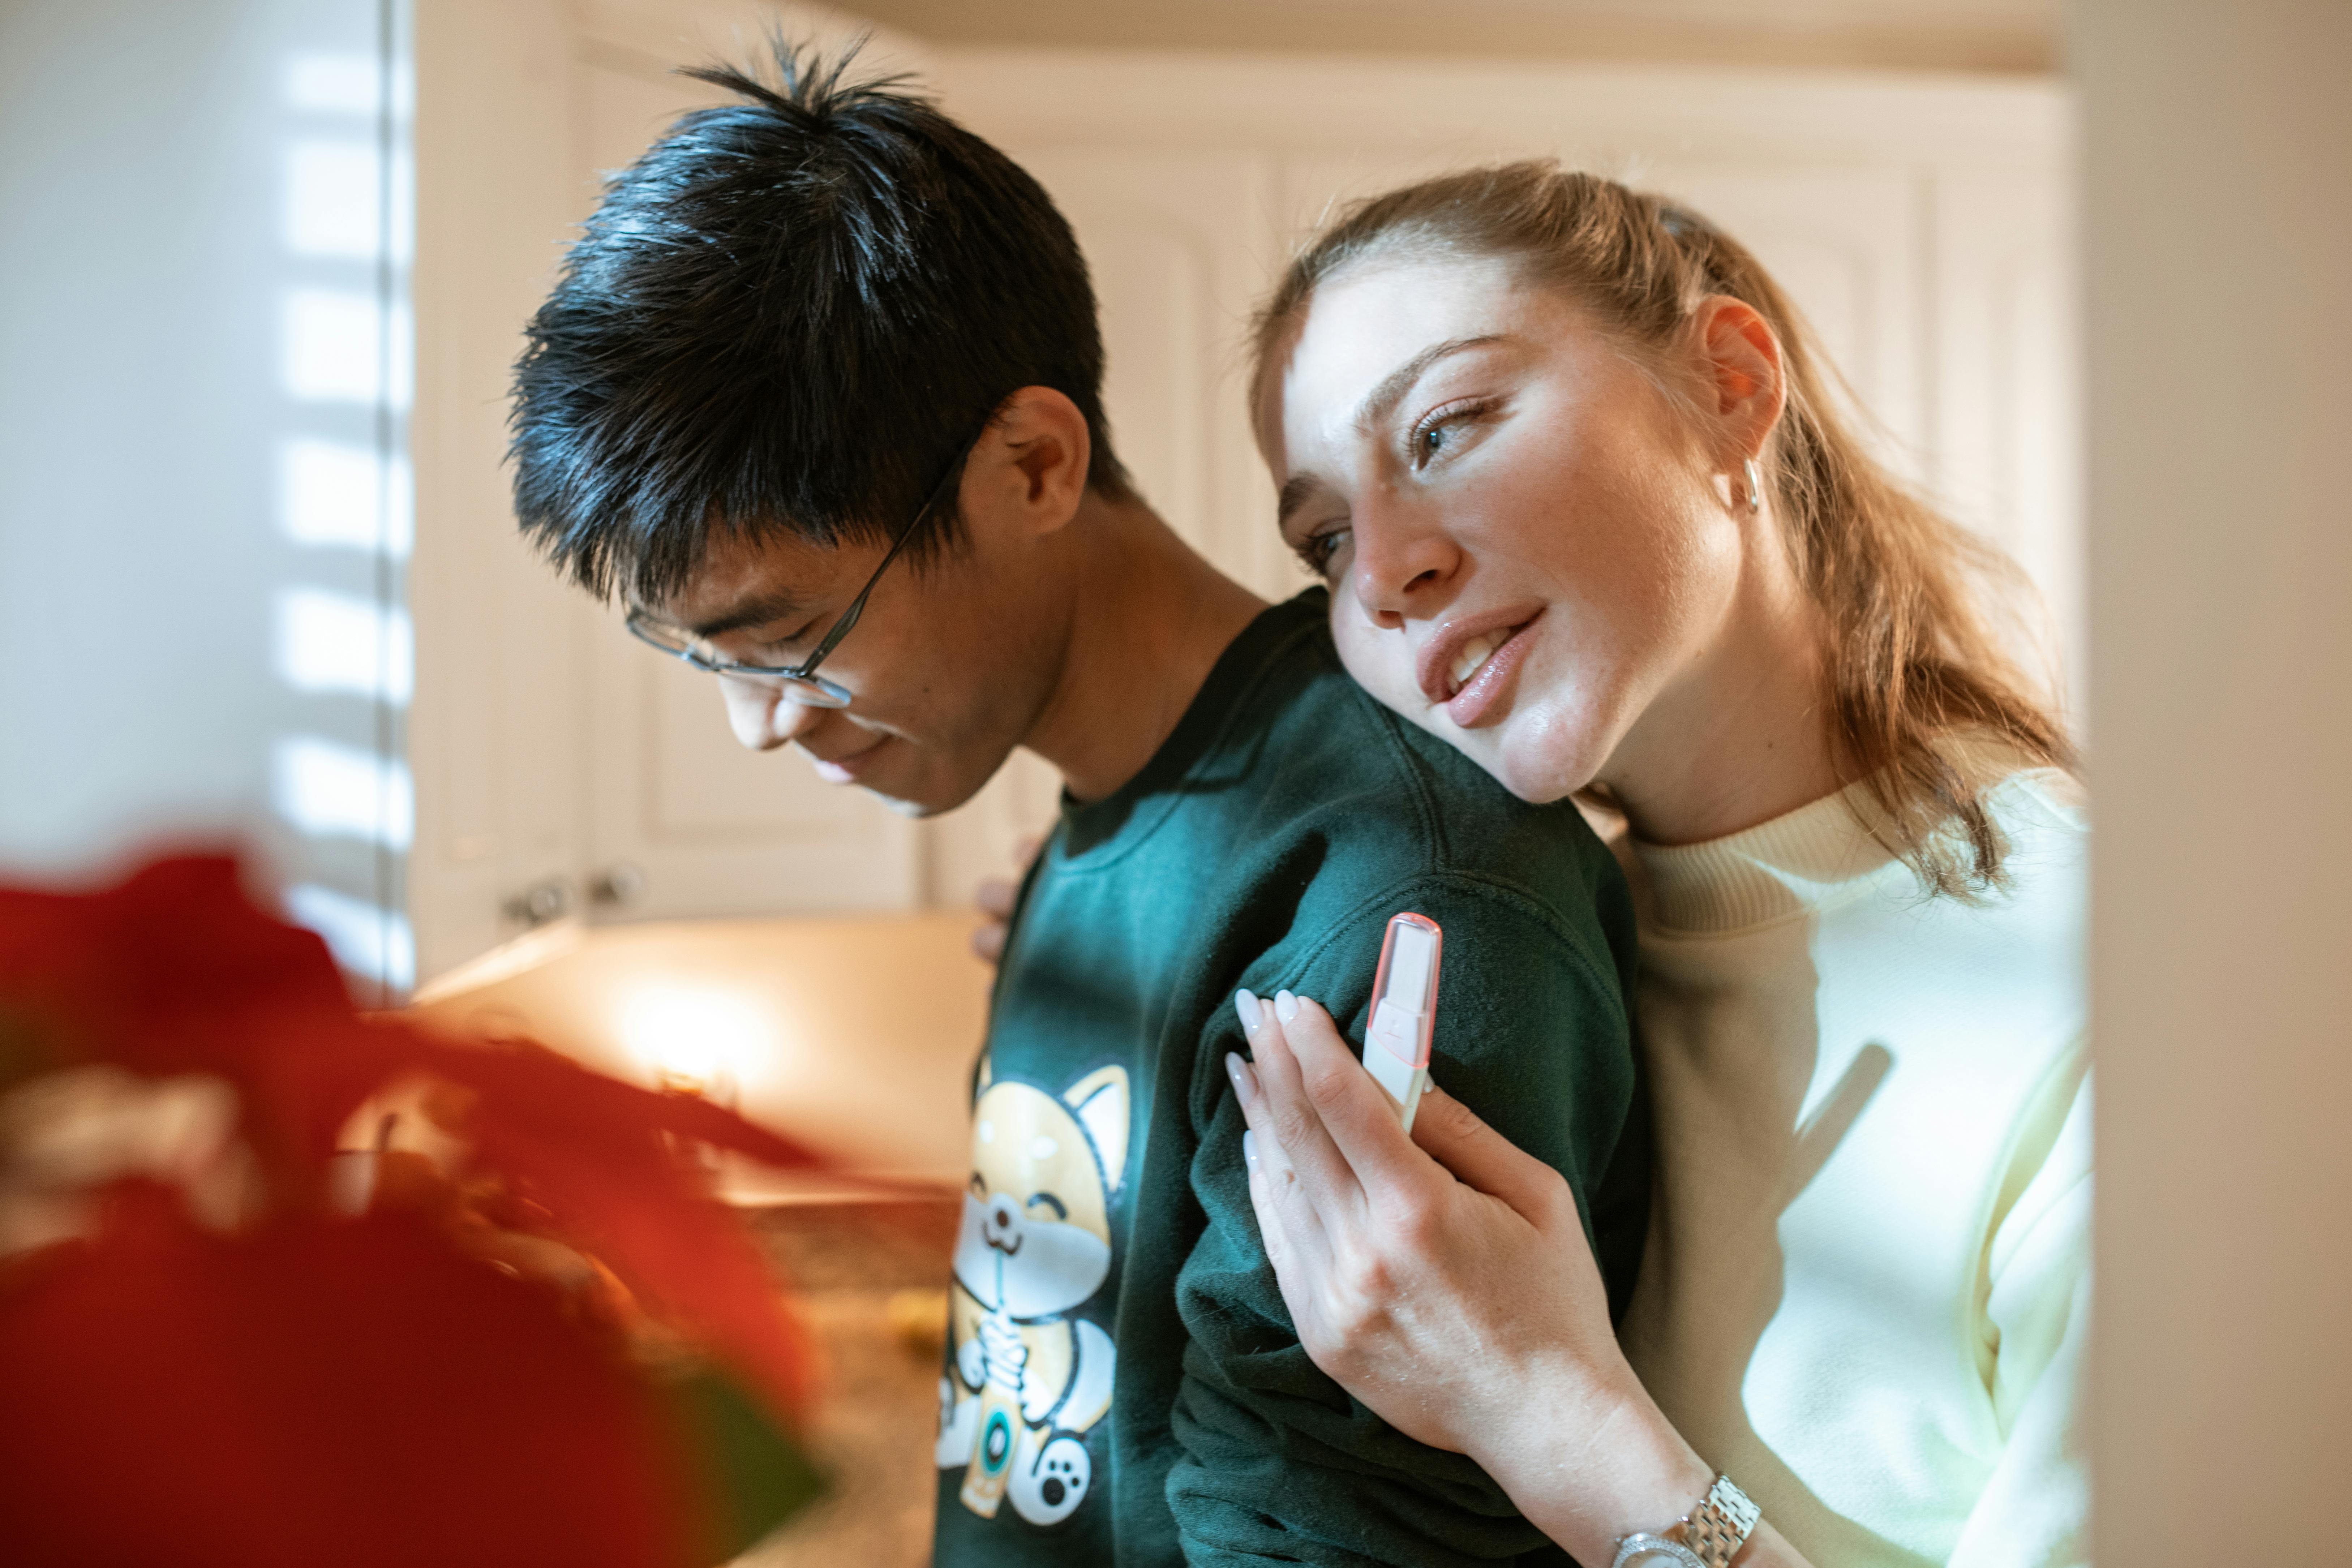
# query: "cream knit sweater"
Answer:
x=1868 y=1272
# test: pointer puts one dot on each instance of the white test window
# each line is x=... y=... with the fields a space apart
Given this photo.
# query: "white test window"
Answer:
x=1409 y=968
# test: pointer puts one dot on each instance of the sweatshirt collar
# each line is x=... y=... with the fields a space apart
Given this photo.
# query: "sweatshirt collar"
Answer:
x=1792 y=863
x=1260 y=646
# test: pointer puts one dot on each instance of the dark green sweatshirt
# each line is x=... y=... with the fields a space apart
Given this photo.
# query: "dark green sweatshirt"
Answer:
x=1124 y=1385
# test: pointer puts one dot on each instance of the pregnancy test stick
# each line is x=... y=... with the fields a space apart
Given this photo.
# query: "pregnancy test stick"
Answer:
x=1404 y=1013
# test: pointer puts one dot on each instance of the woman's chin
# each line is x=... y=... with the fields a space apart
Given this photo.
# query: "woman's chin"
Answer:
x=1536 y=761
x=1533 y=752
x=1523 y=776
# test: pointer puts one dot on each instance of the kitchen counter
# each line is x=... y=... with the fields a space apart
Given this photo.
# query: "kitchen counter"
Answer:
x=856 y=1035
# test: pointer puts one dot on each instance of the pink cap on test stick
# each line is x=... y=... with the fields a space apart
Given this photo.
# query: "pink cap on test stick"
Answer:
x=1404 y=991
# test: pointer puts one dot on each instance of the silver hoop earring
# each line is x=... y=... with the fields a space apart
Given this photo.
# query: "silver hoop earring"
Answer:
x=1755 y=485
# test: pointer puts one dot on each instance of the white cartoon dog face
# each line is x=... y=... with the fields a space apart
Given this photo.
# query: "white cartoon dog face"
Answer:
x=1024 y=1382
x=1036 y=1237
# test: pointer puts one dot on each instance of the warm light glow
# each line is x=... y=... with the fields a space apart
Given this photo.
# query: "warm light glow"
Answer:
x=708 y=1039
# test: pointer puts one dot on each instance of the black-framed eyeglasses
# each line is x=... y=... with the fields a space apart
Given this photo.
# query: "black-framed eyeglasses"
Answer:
x=799 y=682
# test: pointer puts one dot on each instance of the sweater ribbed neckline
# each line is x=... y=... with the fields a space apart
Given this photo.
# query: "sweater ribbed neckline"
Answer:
x=1764 y=873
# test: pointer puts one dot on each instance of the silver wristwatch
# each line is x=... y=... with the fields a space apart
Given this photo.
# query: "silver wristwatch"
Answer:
x=1709 y=1536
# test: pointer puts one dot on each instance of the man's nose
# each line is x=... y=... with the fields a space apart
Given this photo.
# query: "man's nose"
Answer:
x=1401 y=565
x=762 y=716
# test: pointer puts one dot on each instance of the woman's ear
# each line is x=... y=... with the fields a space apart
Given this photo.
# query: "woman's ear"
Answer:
x=1028 y=470
x=1744 y=386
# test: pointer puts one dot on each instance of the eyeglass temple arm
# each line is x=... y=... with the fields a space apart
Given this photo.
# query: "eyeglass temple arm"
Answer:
x=841 y=628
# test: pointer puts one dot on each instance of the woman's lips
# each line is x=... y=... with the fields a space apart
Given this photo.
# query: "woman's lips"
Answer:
x=1483 y=693
x=1457 y=646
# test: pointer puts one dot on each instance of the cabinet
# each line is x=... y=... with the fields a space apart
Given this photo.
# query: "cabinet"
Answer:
x=1921 y=224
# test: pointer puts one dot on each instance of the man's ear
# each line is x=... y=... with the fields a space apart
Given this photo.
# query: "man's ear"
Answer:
x=1743 y=381
x=1028 y=470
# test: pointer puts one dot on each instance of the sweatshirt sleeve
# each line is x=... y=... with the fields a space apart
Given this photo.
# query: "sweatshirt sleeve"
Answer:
x=1275 y=1462
x=2034 y=1511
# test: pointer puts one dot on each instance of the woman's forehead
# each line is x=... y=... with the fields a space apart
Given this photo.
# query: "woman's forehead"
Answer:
x=1361 y=327
x=1370 y=316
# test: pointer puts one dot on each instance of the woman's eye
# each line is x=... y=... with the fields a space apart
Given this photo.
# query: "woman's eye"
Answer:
x=1441 y=430
x=1317 y=549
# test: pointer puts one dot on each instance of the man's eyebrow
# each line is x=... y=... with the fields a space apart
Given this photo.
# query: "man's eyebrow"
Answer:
x=1398 y=382
x=750 y=613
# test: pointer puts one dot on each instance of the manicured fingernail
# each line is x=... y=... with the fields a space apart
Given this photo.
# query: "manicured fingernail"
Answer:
x=1252 y=1011
x=1285 y=1005
x=1244 y=1076
x=1249 y=1150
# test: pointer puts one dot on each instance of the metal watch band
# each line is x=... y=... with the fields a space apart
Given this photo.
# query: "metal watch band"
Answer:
x=1720 y=1526
x=1709 y=1536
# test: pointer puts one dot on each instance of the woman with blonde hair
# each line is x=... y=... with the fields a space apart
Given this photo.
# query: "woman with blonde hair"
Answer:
x=1587 y=509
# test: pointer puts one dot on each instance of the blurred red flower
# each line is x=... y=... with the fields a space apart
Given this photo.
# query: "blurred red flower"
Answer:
x=223 y=1342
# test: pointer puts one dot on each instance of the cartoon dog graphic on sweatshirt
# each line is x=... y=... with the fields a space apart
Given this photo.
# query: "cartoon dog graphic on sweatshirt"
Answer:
x=1025 y=1380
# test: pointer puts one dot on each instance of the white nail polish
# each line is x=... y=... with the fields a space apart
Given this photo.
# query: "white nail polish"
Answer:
x=1252 y=1011
x=1285 y=1005
x=1249 y=1149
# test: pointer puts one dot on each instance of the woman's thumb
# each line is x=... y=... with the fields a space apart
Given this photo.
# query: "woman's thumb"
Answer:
x=1480 y=1157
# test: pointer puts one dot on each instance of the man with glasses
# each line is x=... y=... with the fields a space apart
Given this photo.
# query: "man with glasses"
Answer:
x=799 y=683
x=818 y=396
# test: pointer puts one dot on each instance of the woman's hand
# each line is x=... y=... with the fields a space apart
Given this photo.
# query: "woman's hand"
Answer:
x=1432 y=1298
x=1449 y=1286
x=995 y=897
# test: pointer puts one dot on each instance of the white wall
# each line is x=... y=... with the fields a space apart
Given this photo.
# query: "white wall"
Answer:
x=2218 y=177
x=192 y=375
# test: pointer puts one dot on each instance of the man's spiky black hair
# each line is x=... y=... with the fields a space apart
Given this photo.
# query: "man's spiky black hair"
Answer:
x=787 y=318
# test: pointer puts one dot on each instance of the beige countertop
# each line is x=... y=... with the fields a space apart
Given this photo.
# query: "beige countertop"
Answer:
x=856 y=1035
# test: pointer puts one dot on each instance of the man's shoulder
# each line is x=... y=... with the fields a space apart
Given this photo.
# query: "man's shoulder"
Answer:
x=1329 y=763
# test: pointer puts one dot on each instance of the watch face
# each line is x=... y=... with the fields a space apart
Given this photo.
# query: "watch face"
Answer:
x=1655 y=1552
